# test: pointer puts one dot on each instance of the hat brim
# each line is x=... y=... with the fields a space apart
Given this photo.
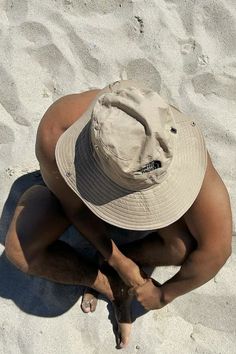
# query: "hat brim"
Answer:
x=149 y=209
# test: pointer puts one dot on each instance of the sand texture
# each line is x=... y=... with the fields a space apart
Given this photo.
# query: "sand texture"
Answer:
x=186 y=51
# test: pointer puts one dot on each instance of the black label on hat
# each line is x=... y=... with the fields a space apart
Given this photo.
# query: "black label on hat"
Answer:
x=153 y=165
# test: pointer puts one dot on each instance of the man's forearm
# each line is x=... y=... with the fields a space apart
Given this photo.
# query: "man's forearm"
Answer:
x=94 y=230
x=199 y=268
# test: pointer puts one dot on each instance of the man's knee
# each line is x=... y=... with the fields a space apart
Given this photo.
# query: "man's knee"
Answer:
x=179 y=253
x=180 y=249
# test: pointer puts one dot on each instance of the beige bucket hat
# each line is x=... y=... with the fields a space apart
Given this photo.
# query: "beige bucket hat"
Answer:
x=135 y=161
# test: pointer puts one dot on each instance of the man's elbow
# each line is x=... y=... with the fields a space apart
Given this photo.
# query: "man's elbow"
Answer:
x=228 y=252
x=223 y=255
x=216 y=256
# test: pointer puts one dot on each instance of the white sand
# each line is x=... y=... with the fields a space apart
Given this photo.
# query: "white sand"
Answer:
x=186 y=50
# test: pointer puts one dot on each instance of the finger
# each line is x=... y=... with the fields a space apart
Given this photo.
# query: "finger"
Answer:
x=135 y=290
x=140 y=300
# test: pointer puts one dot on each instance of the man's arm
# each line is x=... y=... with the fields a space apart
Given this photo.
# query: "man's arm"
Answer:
x=210 y=222
x=90 y=226
x=201 y=266
x=210 y=219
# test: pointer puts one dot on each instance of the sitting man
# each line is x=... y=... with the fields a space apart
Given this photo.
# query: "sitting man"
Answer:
x=122 y=156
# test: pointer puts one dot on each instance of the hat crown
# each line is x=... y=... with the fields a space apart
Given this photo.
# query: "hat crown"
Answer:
x=97 y=177
x=132 y=136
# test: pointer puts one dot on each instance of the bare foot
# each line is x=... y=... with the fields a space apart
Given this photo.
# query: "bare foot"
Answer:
x=122 y=310
x=89 y=300
x=121 y=305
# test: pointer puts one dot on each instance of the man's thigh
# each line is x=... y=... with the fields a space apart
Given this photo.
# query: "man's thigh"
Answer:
x=38 y=221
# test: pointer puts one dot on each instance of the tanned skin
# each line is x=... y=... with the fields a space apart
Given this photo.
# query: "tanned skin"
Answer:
x=199 y=242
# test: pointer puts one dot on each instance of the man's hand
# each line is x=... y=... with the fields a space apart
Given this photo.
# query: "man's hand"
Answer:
x=149 y=294
x=128 y=270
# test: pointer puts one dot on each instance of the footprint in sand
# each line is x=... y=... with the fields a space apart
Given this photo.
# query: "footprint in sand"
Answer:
x=47 y=55
x=6 y=134
x=80 y=48
x=186 y=13
x=219 y=21
x=216 y=17
x=16 y=10
x=223 y=137
x=222 y=86
x=35 y=32
x=54 y=63
x=143 y=70
x=51 y=58
x=88 y=7
x=193 y=58
x=9 y=98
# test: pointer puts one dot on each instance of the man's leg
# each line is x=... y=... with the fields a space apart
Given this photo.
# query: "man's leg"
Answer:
x=32 y=243
x=170 y=245
x=167 y=246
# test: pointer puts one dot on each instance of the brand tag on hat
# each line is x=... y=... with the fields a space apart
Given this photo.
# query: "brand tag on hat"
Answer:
x=153 y=165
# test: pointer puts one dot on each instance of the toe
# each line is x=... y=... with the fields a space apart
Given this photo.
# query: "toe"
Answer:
x=93 y=304
x=85 y=306
x=89 y=301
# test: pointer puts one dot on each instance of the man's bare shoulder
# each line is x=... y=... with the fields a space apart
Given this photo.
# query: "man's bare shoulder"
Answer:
x=60 y=116
x=210 y=217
